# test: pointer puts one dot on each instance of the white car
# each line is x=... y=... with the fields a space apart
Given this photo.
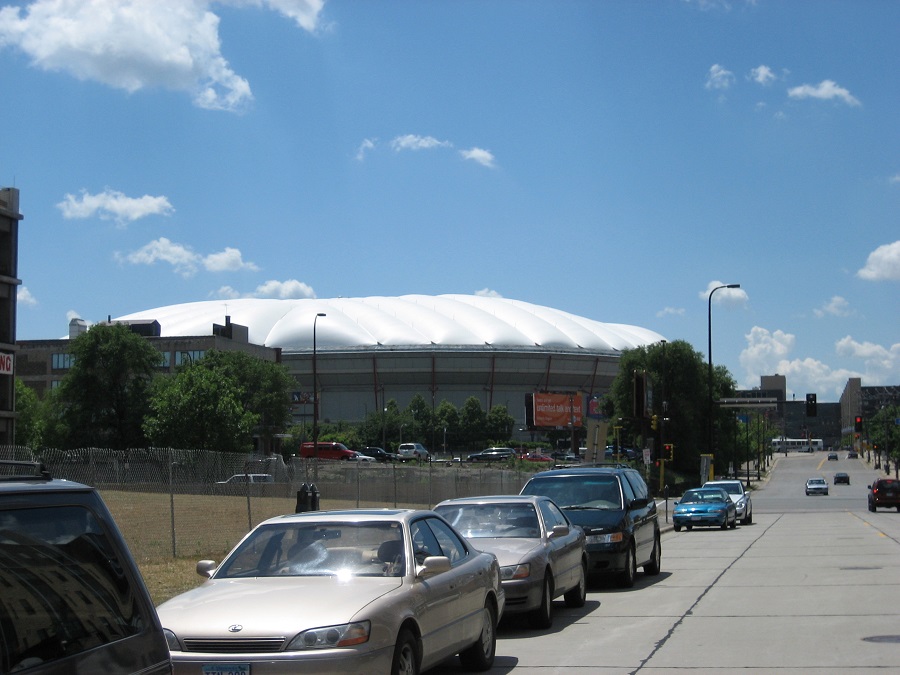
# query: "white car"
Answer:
x=739 y=496
x=408 y=451
x=816 y=486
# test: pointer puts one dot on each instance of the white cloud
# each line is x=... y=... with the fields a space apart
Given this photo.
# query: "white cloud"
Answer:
x=24 y=297
x=414 y=142
x=364 y=147
x=719 y=78
x=184 y=260
x=483 y=157
x=762 y=75
x=826 y=90
x=730 y=297
x=837 y=306
x=883 y=264
x=113 y=205
x=282 y=290
x=671 y=311
x=136 y=44
x=895 y=179
x=488 y=293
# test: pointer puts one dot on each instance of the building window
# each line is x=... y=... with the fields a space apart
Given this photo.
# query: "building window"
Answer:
x=61 y=361
x=189 y=357
x=166 y=360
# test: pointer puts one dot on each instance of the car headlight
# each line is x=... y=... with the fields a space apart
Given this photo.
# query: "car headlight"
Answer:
x=611 y=538
x=172 y=641
x=327 y=637
x=515 y=572
x=741 y=503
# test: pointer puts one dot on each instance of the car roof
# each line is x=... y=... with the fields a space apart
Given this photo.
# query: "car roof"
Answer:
x=345 y=515
x=22 y=476
x=610 y=470
x=495 y=499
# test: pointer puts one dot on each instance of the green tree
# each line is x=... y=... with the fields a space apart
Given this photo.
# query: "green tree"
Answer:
x=28 y=416
x=202 y=409
x=446 y=416
x=499 y=425
x=472 y=423
x=105 y=393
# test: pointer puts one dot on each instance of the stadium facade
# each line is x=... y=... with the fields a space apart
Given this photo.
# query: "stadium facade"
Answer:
x=368 y=351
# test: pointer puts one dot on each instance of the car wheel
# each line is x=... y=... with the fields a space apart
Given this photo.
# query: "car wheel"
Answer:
x=734 y=522
x=406 y=654
x=626 y=580
x=689 y=527
x=747 y=519
x=480 y=656
x=871 y=507
x=724 y=524
x=653 y=567
x=542 y=617
x=677 y=528
x=577 y=596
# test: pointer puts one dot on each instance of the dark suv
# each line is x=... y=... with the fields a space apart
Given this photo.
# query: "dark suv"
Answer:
x=884 y=492
x=72 y=599
x=614 y=508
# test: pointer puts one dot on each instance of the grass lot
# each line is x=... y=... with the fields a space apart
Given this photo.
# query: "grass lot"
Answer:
x=206 y=527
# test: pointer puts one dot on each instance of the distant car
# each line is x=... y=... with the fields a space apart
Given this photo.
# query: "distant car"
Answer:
x=356 y=591
x=380 y=454
x=884 y=492
x=614 y=508
x=413 y=451
x=740 y=496
x=832 y=456
x=239 y=478
x=493 y=455
x=73 y=600
x=816 y=486
x=711 y=506
x=360 y=457
x=561 y=456
x=841 y=477
x=536 y=457
x=541 y=553
x=853 y=455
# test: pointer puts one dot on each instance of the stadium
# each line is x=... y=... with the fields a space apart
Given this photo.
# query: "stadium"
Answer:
x=367 y=351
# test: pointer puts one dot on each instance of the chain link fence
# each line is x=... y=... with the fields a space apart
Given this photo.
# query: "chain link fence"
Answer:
x=180 y=503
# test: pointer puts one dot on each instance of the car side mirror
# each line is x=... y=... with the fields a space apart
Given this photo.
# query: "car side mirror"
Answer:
x=558 y=531
x=433 y=564
x=205 y=568
x=639 y=503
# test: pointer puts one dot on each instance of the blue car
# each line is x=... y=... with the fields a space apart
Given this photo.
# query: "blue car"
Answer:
x=705 y=507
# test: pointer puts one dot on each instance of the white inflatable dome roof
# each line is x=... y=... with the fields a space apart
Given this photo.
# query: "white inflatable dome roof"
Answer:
x=405 y=321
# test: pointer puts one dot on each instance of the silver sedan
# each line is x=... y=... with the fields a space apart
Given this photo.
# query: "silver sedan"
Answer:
x=359 y=591
x=541 y=552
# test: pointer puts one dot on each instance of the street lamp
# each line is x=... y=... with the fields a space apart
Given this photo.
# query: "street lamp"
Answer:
x=315 y=392
x=709 y=353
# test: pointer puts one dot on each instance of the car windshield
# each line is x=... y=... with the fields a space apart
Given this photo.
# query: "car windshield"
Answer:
x=702 y=496
x=319 y=549
x=731 y=488
x=816 y=481
x=492 y=520
x=578 y=492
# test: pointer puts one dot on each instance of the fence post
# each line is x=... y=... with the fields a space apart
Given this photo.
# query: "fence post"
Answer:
x=171 y=502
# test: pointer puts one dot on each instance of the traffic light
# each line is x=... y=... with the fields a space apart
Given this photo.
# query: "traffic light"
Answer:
x=810 y=405
x=654 y=422
x=669 y=452
x=857 y=424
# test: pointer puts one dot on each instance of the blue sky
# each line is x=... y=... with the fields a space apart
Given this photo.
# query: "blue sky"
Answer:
x=612 y=159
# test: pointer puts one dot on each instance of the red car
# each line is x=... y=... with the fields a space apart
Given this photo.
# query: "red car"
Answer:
x=884 y=492
x=535 y=457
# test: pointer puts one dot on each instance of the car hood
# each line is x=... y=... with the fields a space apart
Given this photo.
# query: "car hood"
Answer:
x=596 y=519
x=509 y=550
x=271 y=606
x=699 y=508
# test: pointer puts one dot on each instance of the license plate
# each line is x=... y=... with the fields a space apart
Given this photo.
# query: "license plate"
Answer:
x=227 y=669
x=696 y=517
x=889 y=494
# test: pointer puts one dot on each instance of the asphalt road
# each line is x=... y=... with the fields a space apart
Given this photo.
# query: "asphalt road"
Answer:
x=812 y=586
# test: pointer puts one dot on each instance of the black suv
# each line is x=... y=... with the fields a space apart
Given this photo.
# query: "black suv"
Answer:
x=614 y=508
x=884 y=492
x=72 y=599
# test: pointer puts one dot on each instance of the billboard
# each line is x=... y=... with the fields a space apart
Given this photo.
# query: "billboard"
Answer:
x=553 y=410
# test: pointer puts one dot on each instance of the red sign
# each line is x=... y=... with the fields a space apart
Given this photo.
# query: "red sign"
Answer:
x=557 y=410
x=6 y=364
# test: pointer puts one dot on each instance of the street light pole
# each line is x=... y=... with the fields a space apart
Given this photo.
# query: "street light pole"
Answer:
x=315 y=393
x=709 y=353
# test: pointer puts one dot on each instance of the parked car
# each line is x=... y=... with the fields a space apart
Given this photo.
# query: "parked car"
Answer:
x=841 y=477
x=73 y=600
x=541 y=553
x=884 y=492
x=325 y=450
x=832 y=457
x=704 y=506
x=357 y=591
x=241 y=478
x=853 y=455
x=614 y=508
x=536 y=457
x=740 y=496
x=360 y=457
x=380 y=455
x=493 y=455
x=411 y=451
x=816 y=486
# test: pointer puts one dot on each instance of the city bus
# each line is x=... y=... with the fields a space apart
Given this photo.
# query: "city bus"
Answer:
x=796 y=444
